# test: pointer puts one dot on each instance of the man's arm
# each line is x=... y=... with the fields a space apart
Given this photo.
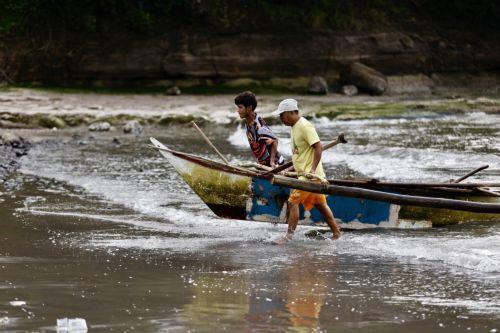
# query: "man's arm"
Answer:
x=318 y=150
x=274 y=150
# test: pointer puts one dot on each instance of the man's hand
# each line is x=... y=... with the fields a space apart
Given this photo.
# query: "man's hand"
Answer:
x=272 y=164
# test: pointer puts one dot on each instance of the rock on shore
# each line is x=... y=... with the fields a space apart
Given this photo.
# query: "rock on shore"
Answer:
x=364 y=78
x=12 y=147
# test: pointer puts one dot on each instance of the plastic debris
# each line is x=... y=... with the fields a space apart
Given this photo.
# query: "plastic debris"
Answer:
x=71 y=325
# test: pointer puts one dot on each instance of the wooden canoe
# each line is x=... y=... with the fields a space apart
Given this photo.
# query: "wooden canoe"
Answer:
x=245 y=194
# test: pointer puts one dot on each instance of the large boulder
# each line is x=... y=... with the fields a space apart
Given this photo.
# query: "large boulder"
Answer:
x=317 y=86
x=365 y=78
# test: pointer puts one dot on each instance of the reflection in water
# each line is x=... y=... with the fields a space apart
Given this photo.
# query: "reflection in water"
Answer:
x=215 y=298
x=306 y=292
x=290 y=296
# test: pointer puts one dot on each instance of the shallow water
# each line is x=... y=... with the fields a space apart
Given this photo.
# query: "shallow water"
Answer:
x=110 y=233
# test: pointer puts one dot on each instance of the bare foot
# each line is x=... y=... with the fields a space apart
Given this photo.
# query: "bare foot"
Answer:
x=336 y=235
x=283 y=240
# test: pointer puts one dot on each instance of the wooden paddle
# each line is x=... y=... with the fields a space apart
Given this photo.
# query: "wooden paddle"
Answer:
x=339 y=139
x=207 y=140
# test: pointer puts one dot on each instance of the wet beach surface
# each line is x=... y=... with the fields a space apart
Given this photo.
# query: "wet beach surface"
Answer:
x=107 y=231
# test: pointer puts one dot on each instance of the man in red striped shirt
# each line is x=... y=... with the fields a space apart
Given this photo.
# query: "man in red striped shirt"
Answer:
x=263 y=142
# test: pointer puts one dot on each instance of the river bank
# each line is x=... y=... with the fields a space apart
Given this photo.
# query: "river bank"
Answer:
x=31 y=108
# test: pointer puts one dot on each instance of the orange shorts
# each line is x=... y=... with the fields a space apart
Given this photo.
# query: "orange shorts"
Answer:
x=307 y=199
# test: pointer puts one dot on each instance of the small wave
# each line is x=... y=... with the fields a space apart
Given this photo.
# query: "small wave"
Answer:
x=474 y=306
x=472 y=253
x=239 y=139
x=408 y=163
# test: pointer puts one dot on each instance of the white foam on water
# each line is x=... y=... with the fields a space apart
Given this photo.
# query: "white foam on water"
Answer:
x=183 y=212
x=17 y=303
x=472 y=305
x=474 y=253
x=239 y=139
x=192 y=232
x=153 y=243
x=445 y=154
x=459 y=119
x=392 y=162
x=409 y=164
x=182 y=222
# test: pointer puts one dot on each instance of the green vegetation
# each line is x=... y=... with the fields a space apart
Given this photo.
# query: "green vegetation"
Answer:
x=215 y=187
x=393 y=109
x=445 y=217
x=47 y=21
x=40 y=120
x=180 y=119
x=361 y=111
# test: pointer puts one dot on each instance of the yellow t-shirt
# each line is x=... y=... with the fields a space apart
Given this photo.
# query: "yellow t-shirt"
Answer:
x=303 y=136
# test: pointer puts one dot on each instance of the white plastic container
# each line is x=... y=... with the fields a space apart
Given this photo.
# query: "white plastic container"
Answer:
x=71 y=325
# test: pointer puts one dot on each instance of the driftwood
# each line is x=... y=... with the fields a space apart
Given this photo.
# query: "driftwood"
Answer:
x=398 y=199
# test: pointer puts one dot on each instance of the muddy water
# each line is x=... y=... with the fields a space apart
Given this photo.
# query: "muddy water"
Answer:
x=108 y=232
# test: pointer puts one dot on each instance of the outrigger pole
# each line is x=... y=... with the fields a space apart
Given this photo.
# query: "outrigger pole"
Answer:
x=398 y=199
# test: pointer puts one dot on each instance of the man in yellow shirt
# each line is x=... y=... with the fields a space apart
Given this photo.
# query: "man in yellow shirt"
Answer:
x=306 y=157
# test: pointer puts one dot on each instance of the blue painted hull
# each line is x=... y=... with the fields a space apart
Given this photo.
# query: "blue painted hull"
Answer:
x=268 y=202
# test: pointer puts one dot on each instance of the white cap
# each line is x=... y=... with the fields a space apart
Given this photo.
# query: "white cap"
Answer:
x=288 y=104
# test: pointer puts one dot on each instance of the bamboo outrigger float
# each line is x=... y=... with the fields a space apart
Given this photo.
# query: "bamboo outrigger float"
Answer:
x=251 y=194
